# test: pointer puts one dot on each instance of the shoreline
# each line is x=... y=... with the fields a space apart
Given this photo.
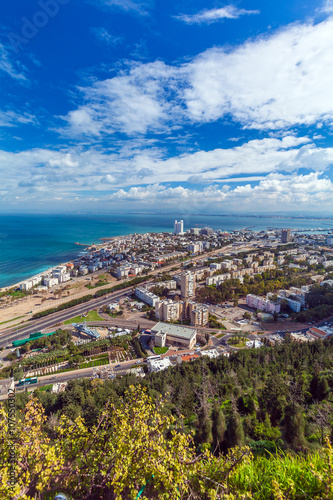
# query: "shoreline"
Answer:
x=108 y=239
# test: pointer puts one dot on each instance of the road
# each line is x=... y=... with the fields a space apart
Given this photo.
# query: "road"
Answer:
x=84 y=372
x=49 y=321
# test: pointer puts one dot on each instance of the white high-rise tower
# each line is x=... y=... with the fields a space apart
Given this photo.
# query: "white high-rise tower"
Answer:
x=178 y=227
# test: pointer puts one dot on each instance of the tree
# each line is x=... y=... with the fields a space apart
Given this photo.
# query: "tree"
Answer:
x=125 y=452
x=234 y=431
x=294 y=426
x=218 y=427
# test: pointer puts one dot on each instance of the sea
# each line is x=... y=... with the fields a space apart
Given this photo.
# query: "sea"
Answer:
x=32 y=243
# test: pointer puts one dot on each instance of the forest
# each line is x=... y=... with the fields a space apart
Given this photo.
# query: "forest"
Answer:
x=257 y=425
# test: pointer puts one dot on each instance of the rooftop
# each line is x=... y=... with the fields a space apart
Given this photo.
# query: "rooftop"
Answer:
x=175 y=330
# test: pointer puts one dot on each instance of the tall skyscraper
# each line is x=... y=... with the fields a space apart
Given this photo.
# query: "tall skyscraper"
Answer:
x=285 y=236
x=178 y=227
x=187 y=284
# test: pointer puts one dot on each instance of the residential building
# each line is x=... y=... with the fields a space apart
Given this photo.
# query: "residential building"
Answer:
x=285 y=236
x=168 y=310
x=187 y=284
x=329 y=239
x=178 y=227
x=157 y=365
x=146 y=296
x=262 y=304
x=50 y=282
x=210 y=353
x=198 y=314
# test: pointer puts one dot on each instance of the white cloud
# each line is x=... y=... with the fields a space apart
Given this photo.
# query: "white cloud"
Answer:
x=275 y=191
x=138 y=7
x=10 y=68
x=11 y=118
x=213 y=15
x=103 y=35
x=133 y=102
x=273 y=82
x=76 y=171
x=327 y=7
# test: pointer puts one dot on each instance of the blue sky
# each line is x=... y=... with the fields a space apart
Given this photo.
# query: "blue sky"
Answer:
x=179 y=106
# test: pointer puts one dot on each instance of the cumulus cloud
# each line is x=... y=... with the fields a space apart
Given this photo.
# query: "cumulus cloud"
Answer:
x=78 y=170
x=275 y=191
x=213 y=15
x=133 y=102
x=272 y=83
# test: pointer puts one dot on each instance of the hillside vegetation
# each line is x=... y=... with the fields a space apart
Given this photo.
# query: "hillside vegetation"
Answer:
x=256 y=426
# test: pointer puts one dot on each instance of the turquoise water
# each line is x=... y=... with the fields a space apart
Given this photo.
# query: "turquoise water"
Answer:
x=30 y=244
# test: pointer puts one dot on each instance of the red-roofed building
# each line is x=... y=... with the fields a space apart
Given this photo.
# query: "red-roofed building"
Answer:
x=317 y=332
x=186 y=358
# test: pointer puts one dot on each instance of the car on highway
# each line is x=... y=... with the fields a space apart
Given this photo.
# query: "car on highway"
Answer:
x=117 y=366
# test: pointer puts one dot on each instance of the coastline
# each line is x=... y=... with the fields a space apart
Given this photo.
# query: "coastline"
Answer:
x=37 y=242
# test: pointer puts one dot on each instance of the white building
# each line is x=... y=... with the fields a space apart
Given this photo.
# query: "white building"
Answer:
x=157 y=365
x=187 y=284
x=211 y=353
x=329 y=239
x=265 y=305
x=64 y=277
x=168 y=310
x=175 y=335
x=146 y=296
x=26 y=285
x=50 y=282
x=178 y=227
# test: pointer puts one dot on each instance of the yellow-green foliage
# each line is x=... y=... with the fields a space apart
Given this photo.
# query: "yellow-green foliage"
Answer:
x=134 y=445
x=286 y=477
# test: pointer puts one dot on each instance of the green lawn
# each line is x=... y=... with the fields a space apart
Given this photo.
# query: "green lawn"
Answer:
x=160 y=350
x=9 y=320
x=45 y=387
x=91 y=316
x=238 y=341
x=97 y=362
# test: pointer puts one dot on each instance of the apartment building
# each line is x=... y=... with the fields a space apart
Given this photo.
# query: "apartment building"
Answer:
x=199 y=315
x=168 y=310
x=146 y=296
x=178 y=227
x=187 y=284
x=265 y=305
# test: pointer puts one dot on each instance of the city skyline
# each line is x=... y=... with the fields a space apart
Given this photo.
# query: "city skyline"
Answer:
x=197 y=107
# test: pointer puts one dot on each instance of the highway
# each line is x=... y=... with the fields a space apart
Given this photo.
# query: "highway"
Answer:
x=11 y=334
